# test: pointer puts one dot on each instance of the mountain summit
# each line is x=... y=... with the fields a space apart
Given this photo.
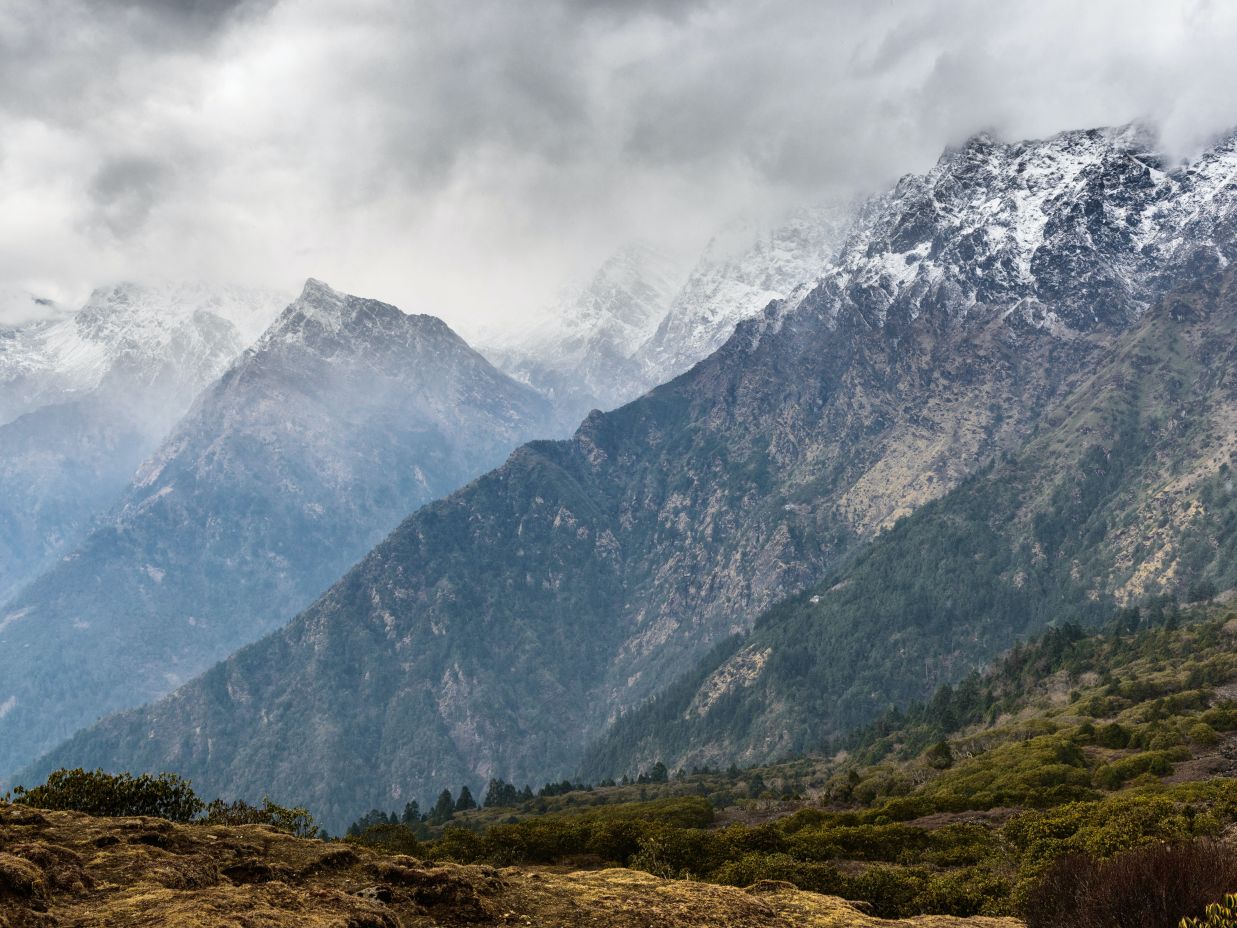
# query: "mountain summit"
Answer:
x=346 y=415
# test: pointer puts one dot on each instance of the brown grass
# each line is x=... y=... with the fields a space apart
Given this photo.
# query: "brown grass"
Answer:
x=69 y=870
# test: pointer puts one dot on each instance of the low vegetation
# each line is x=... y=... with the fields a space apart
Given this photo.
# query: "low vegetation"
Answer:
x=1075 y=747
x=165 y=796
x=62 y=868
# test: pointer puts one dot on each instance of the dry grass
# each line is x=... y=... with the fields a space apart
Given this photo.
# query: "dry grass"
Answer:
x=68 y=870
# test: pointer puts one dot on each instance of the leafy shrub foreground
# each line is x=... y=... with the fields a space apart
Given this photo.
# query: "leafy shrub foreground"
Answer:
x=164 y=796
x=900 y=868
x=104 y=794
x=1222 y=914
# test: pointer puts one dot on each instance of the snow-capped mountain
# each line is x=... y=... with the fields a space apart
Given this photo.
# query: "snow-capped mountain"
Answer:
x=179 y=336
x=641 y=320
x=84 y=398
x=743 y=269
x=19 y=308
x=1066 y=233
x=494 y=633
x=344 y=417
x=580 y=355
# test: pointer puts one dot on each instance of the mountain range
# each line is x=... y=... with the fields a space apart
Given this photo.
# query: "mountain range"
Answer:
x=84 y=398
x=345 y=415
x=1028 y=347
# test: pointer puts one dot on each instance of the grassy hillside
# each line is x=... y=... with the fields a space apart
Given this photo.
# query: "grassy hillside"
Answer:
x=1093 y=744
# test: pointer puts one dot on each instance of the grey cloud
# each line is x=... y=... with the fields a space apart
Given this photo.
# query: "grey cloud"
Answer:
x=124 y=191
x=461 y=158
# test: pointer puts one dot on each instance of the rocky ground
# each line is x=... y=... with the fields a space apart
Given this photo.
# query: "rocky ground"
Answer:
x=68 y=869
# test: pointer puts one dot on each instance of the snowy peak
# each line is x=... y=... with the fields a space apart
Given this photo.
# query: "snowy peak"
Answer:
x=613 y=311
x=627 y=295
x=134 y=308
x=580 y=356
x=329 y=323
x=20 y=308
x=127 y=335
x=640 y=320
x=1077 y=224
x=743 y=269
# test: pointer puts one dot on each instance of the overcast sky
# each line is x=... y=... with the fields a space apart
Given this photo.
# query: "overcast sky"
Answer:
x=462 y=157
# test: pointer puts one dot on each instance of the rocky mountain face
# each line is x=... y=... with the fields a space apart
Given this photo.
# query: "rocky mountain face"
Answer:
x=581 y=356
x=345 y=415
x=496 y=632
x=1124 y=490
x=85 y=398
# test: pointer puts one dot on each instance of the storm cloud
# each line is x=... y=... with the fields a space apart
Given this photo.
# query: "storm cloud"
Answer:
x=462 y=158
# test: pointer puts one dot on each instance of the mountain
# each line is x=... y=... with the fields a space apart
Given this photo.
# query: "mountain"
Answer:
x=497 y=632
x=344 y=416
x=638 y=323
x=19 y=308
x=1125 y=490
x=580 y=357
x=742 y=271
x=1087 y=745
x=85 y=398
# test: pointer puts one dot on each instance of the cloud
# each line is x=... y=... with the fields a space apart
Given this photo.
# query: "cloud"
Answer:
x=462 y=158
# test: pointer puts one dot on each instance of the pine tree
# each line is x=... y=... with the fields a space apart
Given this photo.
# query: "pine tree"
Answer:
x=443 y=809
x=465 y=802
x=501 y=794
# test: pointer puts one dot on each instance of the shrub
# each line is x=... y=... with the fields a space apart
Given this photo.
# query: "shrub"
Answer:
x=753 y=867
x=1203 y=734
x=98 y=793
x=398 y=839
x=1112 y=775
x=1222 y=914
x=1151 y=887
x=1112 y=736
x=296 y=821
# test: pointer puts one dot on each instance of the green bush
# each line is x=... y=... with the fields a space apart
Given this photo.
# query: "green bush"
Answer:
x=1222 y=914
x=98 y=793
x=397 y=839
x=1113 y=775
x=295 y=821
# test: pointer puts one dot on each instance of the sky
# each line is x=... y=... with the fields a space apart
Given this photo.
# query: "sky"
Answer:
x=463 y=158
